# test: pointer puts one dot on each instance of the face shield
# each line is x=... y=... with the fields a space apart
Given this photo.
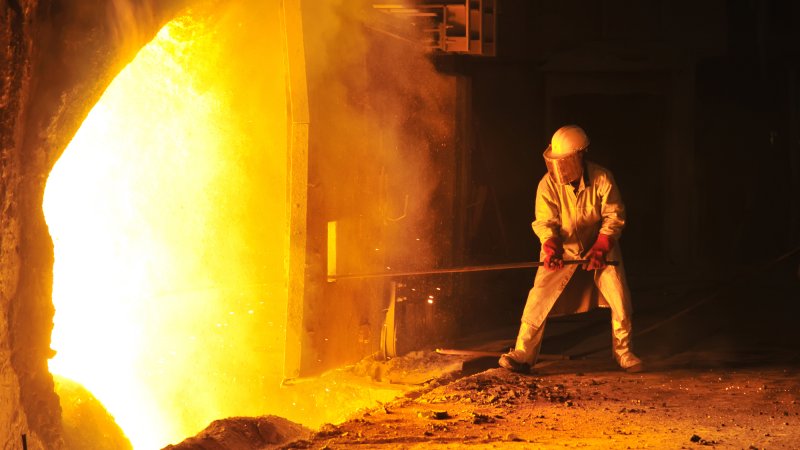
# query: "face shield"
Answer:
x=565 y=168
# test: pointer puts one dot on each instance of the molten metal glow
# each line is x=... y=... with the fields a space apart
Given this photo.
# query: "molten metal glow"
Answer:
x=168 y=215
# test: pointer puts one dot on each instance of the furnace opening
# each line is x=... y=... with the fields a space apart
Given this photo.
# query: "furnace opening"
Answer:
x=168 y=216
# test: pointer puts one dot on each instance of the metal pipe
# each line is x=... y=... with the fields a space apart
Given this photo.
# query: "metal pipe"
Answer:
x=389 y=331
x=509 y=266
x=481 y=354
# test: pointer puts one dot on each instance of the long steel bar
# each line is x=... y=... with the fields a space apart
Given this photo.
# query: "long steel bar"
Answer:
x=508 y=266
x=478 y=354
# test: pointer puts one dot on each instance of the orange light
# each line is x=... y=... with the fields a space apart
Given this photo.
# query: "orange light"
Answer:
x=166 y=212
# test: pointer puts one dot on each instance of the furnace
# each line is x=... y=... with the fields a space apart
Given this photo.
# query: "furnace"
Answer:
x=189 y=211
x=169 y=217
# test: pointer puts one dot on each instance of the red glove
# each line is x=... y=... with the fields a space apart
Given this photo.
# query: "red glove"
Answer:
x=597 y=254
x=554 y=252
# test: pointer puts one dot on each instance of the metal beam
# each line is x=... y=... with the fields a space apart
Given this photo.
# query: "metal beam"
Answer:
x=298 y=184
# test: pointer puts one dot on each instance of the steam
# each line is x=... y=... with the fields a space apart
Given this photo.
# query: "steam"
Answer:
x=391 y=130
x=129 y=21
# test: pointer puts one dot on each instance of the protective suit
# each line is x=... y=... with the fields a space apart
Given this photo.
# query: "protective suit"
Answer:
x=580 y=219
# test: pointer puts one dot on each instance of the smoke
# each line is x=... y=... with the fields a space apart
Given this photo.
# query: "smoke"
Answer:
x=386 y=118
x=130 y=23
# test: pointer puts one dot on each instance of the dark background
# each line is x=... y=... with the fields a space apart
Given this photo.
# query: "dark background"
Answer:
x=695 y=108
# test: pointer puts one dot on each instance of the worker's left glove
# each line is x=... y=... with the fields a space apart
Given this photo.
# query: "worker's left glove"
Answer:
x=554 y=254
x=597 y=254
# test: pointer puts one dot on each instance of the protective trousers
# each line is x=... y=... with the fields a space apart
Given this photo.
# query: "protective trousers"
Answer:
x=547 y=288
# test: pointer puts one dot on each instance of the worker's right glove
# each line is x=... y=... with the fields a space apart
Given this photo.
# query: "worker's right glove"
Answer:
x=554 y=254
x=597 y=254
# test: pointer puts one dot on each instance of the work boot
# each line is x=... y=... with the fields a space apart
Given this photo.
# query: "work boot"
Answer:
x=636 y=368
x=523 y=356
x=630 y=363
x=626 y=359
x=621 y=346
x=507 y=361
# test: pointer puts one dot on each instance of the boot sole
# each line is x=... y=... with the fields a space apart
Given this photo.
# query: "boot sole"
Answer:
x=636 y=368
x=514 y=366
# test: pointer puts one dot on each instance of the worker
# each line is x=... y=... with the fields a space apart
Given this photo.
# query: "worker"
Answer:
x=579 y=215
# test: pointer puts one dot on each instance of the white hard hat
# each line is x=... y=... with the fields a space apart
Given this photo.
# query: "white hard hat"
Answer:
x=567 y=140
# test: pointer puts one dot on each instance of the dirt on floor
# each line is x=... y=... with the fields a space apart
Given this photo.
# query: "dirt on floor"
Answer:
x=723 y=371
x=585 y=404
x=563 y=404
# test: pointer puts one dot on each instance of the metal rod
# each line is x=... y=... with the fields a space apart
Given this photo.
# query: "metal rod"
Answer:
x=509 y=266
x=478 y=354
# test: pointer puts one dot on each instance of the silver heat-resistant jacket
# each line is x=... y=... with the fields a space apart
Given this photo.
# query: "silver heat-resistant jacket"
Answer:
x=577 y=218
